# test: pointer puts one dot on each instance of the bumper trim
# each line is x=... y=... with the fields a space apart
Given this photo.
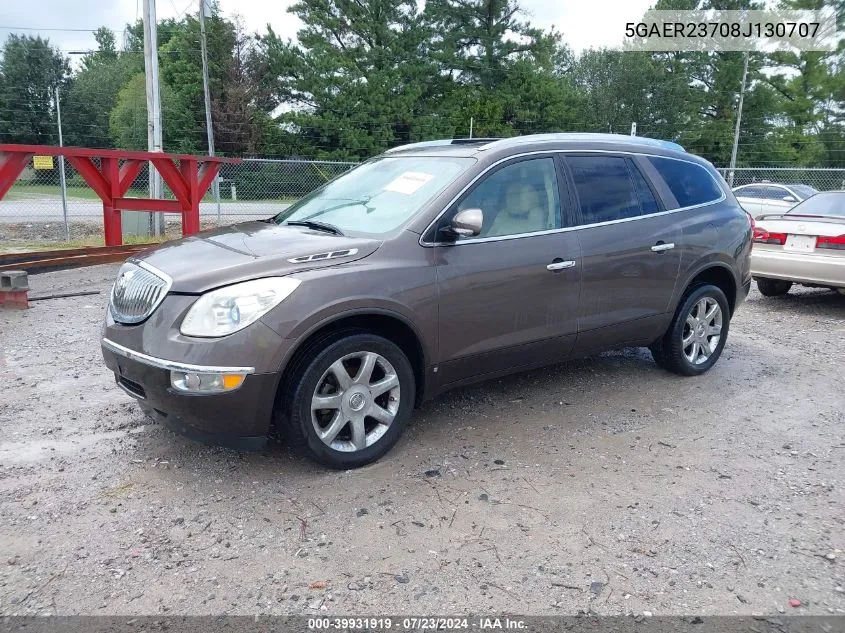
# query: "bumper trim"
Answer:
x=245 y=443
x=172 y=365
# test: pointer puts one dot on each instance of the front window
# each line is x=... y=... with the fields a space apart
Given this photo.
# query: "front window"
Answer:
x=519 y=198
x=805 y=191
x=379 y=196
x=825 y=204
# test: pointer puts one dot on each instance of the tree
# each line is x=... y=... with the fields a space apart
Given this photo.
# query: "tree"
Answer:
x=93 y=93
x=811 y=90
x=30 y=72
x=240 y=94
x=357 y=81
x=503 y=73
x=128 y=118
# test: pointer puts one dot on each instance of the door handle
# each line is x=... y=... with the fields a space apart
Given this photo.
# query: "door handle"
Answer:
x=662 y=246
x=560 y=265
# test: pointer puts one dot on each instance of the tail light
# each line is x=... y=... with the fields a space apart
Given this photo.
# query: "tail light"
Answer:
x=762 y=236
x=837 y=242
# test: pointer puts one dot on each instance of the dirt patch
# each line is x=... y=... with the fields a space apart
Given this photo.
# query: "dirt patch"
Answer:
x=603 y=485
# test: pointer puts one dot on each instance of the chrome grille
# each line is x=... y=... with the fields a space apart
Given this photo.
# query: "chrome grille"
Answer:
x=137 y=292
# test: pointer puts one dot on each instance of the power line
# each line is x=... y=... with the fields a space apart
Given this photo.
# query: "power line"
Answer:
x=44 y=28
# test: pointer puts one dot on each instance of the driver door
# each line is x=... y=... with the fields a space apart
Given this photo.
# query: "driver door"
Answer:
x=508 y=297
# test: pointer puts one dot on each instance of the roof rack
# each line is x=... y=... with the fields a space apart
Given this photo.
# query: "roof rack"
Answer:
x=443 y=142
x=594 y=137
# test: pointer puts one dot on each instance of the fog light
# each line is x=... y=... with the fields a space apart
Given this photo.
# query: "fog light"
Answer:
x=205 y=383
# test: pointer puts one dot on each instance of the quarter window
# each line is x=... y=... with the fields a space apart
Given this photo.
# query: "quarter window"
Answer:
x=519 y=198
x=606 y=189
x=691 y=184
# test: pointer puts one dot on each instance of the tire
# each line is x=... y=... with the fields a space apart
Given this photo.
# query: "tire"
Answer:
x=321 y=367
x=772 y=287
x=672 y=354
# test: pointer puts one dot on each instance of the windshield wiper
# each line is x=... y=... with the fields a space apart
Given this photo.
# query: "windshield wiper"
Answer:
x=319 y=226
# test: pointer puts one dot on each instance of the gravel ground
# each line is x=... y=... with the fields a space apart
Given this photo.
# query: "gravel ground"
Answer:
x=601 y=485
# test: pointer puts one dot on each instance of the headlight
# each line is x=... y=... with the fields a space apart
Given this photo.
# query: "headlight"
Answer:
x=226 y=310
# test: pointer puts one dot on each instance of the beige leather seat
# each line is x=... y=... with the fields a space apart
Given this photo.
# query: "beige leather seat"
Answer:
x=521 y=211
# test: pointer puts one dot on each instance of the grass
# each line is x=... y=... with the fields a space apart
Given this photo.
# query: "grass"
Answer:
x=21 y=191
x=91 y=240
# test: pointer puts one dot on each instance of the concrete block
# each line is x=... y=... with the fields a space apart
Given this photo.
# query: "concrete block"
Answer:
x=14 y=286
x=14 y=280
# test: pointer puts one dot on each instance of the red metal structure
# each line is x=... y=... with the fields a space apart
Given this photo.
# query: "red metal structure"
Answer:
x=188 y=177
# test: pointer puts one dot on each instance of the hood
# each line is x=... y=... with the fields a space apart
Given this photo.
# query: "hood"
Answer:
x=246 y=251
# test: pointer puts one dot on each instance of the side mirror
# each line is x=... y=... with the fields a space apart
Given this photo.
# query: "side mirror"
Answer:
x=466 y=223
x=789 y=199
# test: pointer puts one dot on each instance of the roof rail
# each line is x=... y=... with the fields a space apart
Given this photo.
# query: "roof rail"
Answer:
x=441 y=143
x=595 y=137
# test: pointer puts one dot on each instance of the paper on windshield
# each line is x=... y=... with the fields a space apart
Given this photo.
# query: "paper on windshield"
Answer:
x=409 y=182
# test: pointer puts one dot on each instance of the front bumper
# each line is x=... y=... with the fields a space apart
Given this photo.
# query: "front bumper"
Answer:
x=239 y=419
x=810 y=268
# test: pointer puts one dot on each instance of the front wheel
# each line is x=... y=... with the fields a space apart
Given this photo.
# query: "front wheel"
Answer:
x=351 y=400
x=697 y=334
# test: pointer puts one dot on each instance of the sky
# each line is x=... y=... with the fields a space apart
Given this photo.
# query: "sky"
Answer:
x=69 y=24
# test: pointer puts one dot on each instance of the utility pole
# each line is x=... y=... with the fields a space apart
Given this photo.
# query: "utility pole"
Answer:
x=738 y=121
x=208 y=129
x=633 y=128
x=153 y=105
x=62 y=180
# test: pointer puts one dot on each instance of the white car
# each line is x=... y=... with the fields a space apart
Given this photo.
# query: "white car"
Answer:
x=805 y=245
x=769 y=197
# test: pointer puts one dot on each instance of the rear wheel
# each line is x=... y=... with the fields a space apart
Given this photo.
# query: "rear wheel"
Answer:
x=350 y=399
x=772 y=287
x=696 y=337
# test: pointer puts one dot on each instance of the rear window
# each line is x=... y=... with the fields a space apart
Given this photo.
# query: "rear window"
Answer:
x=606 y=190
x=691 y=184
x=828 y=204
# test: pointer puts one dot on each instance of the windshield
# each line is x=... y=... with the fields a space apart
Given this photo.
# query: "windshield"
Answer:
x=379 y=196
x=829 y=204
x=805 y=191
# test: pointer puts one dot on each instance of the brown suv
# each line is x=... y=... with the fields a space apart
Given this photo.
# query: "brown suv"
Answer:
x=432 y=266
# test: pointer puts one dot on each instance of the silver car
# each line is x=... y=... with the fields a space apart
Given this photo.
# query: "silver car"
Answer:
x=769 y=197
x=805 y=245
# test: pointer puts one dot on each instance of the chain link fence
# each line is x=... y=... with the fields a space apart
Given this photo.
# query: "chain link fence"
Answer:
x=822 y=179
x=35 y=209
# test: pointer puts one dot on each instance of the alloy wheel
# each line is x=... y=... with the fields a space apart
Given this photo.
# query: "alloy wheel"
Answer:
x=702 y=330
x=355 y=401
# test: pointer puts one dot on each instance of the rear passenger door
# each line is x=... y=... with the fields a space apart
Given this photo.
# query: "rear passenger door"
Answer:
x=628 y=255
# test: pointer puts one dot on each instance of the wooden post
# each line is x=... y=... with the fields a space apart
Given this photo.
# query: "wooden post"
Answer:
x=190 y=213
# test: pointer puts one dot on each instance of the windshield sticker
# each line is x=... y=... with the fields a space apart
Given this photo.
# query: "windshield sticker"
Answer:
x=409 y=182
